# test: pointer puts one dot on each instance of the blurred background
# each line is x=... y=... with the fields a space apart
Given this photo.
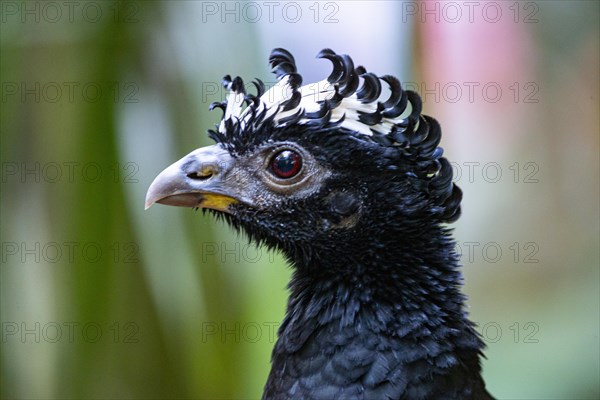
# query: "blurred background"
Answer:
x=101 y=299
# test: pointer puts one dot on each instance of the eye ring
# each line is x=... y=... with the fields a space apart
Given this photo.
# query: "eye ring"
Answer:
x=285 y=164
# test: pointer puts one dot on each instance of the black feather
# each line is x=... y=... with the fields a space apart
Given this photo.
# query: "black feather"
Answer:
x=375 y=308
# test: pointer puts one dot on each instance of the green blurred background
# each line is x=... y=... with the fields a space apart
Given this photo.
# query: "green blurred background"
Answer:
x=101 y=299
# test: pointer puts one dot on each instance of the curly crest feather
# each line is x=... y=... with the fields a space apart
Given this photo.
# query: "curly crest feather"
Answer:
x=351 y=100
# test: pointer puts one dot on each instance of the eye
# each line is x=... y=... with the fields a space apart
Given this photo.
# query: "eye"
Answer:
x=286 y=164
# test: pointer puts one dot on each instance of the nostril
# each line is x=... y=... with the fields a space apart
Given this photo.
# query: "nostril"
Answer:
x=203 y=174
x=200 y=171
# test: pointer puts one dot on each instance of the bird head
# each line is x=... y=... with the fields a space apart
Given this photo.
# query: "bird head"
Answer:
x=327 y=169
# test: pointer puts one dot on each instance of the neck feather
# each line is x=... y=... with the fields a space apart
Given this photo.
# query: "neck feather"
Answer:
x=388 y=318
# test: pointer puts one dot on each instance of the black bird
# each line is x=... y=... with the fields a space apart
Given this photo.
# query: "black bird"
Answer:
x=346 y=179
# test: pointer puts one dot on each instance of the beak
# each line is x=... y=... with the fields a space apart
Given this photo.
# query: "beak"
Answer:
x=202 y=179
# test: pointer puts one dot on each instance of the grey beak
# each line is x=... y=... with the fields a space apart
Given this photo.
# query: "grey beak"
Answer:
x=197 y=180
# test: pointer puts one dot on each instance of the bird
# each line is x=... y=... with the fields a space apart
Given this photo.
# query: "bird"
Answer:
x=346 y=179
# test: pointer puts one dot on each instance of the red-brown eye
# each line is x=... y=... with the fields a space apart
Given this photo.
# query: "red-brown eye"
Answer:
x=286 y=164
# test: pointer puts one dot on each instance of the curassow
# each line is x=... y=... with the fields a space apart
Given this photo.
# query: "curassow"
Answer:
x=346 y=179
